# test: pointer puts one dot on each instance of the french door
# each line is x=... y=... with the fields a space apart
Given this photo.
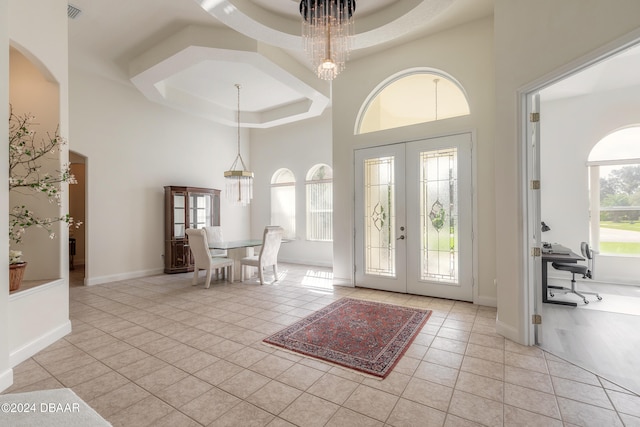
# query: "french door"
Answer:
x=414 y=217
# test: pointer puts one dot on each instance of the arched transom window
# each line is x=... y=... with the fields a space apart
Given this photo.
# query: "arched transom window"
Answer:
x=413 y=97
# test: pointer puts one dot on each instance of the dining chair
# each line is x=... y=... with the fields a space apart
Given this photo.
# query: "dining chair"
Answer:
x=268 y=257
x=203 y=260
x=214 y=235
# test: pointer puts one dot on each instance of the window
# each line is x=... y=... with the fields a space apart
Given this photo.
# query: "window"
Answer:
x=320 y=203
x=415 y=96
x=614 y=168
x=283 y=201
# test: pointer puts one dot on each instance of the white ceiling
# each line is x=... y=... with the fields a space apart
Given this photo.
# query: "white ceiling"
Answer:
x=189 y=54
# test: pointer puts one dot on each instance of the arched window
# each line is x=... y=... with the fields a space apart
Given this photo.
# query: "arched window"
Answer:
x=320 y=203
x=614 y=169
x=283 y=201
x=414 y=96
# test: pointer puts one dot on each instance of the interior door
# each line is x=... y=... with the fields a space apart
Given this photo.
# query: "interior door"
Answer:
x=414 y=217
x=380 y=218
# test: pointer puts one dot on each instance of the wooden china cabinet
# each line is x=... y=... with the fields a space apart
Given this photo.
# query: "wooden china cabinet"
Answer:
x=186 y=207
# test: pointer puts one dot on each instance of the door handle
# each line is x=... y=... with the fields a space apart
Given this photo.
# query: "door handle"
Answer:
x=401 y=237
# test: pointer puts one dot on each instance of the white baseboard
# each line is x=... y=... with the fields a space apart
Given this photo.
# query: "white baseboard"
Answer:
x=6 y=379
x=44 y=341
x=508 y=331
x=100 y=280
x=314 y=263
x=487 y=301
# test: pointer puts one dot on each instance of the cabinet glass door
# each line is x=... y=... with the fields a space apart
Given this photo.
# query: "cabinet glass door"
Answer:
x=178 y=215
x=200 y=210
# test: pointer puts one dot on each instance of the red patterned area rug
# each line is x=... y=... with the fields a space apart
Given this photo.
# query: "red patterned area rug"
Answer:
x=366 y=336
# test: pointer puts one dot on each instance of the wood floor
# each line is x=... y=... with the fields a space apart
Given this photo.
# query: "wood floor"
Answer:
x=604 y=342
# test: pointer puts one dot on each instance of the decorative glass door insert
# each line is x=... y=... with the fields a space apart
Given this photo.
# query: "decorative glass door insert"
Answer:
x=379 y=218
x=439 y=215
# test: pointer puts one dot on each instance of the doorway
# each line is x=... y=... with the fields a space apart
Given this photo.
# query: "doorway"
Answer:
x=77 y=210
x=576 y=111
x=414 y=216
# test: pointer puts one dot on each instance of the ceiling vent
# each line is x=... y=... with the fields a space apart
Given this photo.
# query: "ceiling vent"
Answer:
x=73 y=11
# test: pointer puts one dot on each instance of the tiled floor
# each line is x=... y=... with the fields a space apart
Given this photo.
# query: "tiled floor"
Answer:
x=157 y=351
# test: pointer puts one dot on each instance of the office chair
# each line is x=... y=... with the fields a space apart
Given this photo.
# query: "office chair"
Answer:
x=575 y=268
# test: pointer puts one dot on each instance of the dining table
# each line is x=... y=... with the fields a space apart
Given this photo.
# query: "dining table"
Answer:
x=236 y=250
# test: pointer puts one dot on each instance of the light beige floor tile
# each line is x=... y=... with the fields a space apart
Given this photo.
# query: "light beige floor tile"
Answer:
x=444 y=358
x=346 y=417
x=116 y=400
x=523 y=349
x=143 y=367
x=476 y=408
x=582 y=414
x=454 y=334
x=82 y=374
x=395 y=383
x=209 y=406
x=247 y=357
x=375 y=403
x=529 y=379
x=309 y=411
x=427 y=393
x=125 y=358
x=532 y=363
x=141 y=414
x=245 y=415
x=455 y=421
x=272 y=365
x=572 y=372
x=218 y=372
x=196 y=362
x=274 y=397
x=630 y=420
x=625 y=403
x=244 y=383
x=486 y=368
x=437 y=373
x=300 y=376
x=100 y=385
x=333 y=388
x=448 y=344
x=480 y=386
x=183 y=391
x=485 y=353
x=581 y=392
x=520 y=417
x=531 y=400
x=408 y=413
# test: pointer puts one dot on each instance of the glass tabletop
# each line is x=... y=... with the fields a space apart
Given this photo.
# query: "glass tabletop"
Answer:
x=234 y=244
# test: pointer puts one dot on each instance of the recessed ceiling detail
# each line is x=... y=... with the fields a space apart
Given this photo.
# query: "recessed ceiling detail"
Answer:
x=196 y=70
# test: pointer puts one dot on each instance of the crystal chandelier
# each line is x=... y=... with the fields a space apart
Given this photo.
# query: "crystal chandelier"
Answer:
x=327 y=28
x=239 y=182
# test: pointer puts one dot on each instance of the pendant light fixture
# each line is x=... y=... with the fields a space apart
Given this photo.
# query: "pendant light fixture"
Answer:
x=239 y=182
x=327 y=29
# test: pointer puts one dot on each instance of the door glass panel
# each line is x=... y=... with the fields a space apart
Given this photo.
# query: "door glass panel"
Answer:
x=379 y=216
x=439 y=216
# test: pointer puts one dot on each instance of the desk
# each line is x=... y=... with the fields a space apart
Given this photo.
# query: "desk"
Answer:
x=237 y=250
x=553 y=257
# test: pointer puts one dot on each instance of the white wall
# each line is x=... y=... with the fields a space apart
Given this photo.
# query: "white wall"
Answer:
x=533 y=40
x=466 y=53
x=39 y=29
x=297 y=147
x=133 y=148
x=6 y=373
x=570 y=127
